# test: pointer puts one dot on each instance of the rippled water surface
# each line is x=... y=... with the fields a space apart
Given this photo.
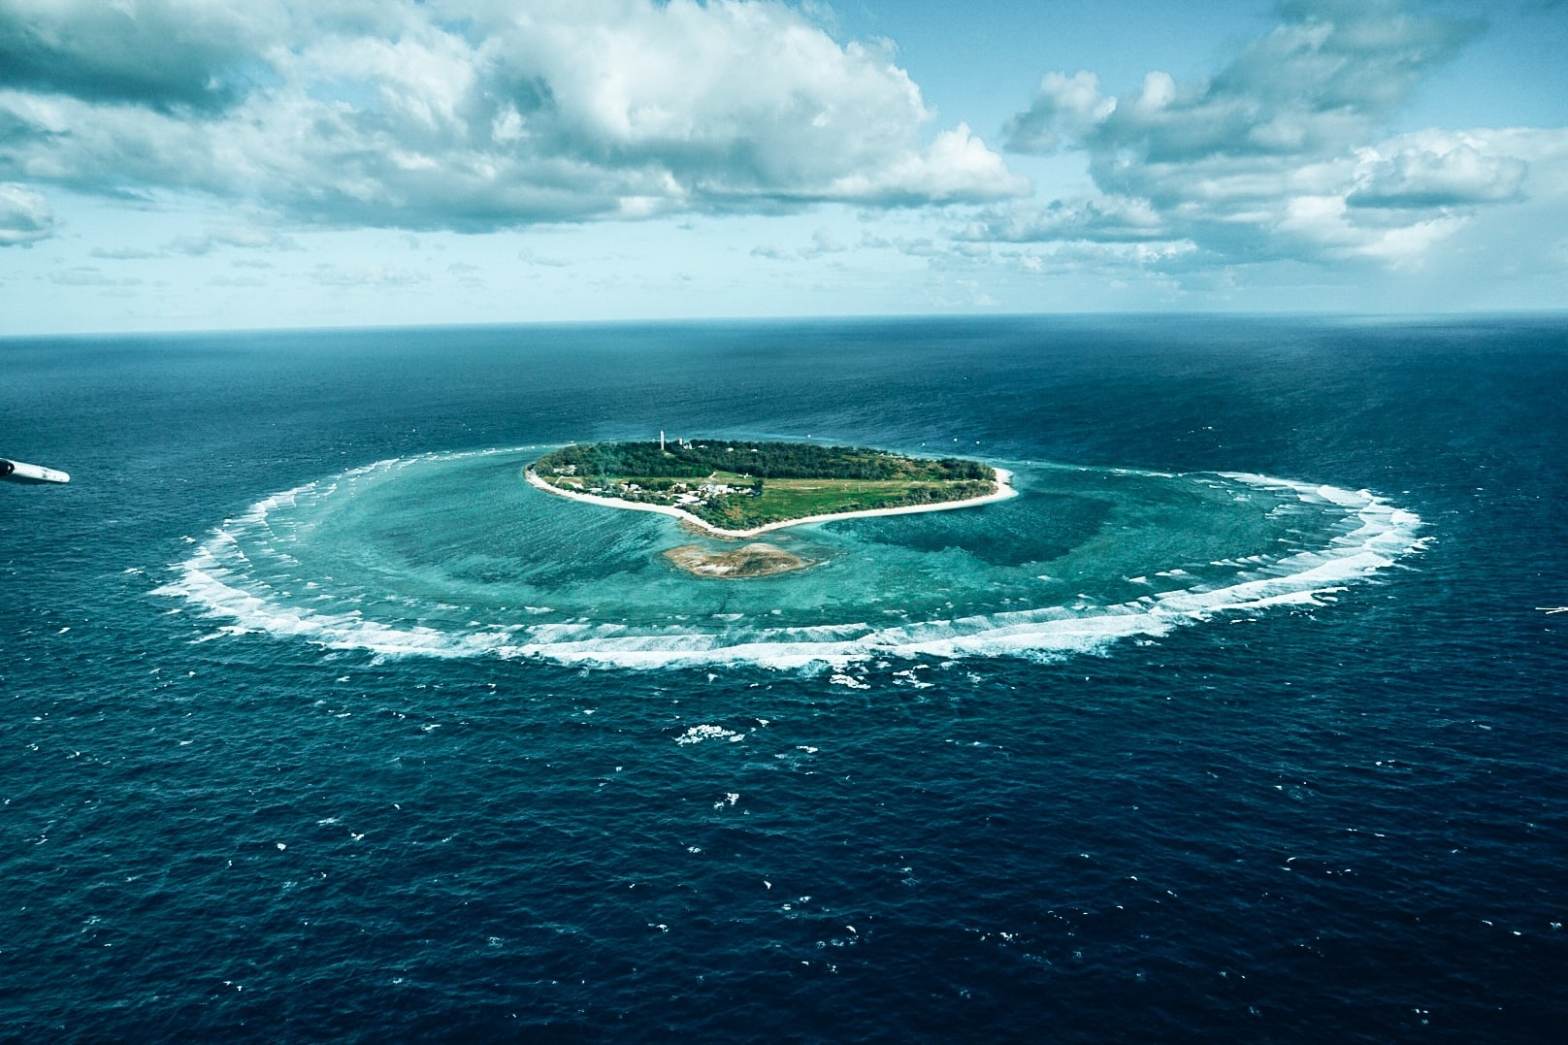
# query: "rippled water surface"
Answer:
x=1243 y=720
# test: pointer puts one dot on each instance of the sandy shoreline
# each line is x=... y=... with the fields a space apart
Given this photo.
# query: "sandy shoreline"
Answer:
x=1004 y=490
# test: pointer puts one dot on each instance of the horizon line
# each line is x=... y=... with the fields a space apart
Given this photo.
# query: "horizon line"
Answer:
x=849 y=317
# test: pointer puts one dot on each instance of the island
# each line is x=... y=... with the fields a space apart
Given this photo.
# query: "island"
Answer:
x=739 y=488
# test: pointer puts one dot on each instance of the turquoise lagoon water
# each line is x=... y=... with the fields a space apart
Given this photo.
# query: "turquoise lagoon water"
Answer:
x=451 y=555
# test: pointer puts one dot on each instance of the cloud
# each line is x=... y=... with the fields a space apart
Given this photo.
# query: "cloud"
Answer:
x=162 y=53
x=1453 y=177
x=89 y=276
x=822 y=243
x=239 y=238
x=189 y=57
x=545 y=260
x=473 y=115
x=124 y=253
x=1075 y=256
x=1065 y=107
x=1283 y=154
x=204 y=244
x=1320 y=79
x=329 y=275
x=956 y=168
x=223 y=280
x=912 y=246
x=1107 y=219
x=25 y=216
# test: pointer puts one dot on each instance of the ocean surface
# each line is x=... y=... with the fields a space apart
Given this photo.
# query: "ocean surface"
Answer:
x=1245 y=720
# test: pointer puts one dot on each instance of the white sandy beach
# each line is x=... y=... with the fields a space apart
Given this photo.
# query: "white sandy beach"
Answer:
x=1004 y=490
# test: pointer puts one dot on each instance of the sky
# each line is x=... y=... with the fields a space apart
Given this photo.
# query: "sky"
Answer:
x=204 y=164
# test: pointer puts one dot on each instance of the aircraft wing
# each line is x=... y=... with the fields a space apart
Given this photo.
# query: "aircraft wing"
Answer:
x=18 y=472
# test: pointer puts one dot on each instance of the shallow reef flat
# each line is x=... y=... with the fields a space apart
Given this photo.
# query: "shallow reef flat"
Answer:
x=745 y=562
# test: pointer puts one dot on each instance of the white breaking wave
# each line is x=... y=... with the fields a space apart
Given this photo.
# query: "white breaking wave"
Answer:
x=697 y=734
x=1374 y=535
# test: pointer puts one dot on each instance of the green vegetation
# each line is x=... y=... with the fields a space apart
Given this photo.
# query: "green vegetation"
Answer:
x=743 y=484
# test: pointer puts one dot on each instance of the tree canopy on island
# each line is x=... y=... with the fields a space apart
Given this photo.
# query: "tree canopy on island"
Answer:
x=764 y=460
x=743 y=483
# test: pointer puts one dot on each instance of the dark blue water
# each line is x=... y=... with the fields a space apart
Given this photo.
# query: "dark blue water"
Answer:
x=1342 y=820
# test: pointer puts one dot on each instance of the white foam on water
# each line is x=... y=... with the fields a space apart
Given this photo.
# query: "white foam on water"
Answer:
x=1372 y=535
x=697 y=734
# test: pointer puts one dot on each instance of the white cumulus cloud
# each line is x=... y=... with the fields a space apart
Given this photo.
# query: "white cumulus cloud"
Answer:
x=1282 y=154
x=1449 y=173
x=470 y=115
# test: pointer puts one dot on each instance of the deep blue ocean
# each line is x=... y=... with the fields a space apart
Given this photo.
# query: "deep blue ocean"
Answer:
x=1244 y=721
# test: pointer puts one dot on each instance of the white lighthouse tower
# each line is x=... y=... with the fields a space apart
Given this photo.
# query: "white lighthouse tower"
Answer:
x=661 y=440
